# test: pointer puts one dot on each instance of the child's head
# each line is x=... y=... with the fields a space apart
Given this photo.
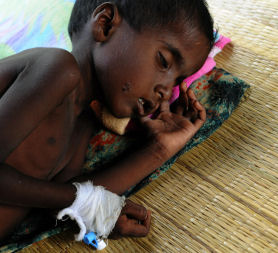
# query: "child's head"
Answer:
x=139 y=49
x=149 y=13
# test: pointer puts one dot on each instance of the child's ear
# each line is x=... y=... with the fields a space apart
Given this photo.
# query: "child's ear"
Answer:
x=105 y=20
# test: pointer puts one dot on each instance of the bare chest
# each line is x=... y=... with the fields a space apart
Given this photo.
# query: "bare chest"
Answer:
x=52 y=144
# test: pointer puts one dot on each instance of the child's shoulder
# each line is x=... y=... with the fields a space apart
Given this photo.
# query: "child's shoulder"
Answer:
x=57 y=67
x=45 y=68
x=54 y=64
x=52 y=58
x=44 y=59
x=36 y=55
x=57 y=62
x=55 y=55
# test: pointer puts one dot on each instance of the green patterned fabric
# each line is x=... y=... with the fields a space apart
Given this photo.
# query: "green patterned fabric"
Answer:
x=220 y=93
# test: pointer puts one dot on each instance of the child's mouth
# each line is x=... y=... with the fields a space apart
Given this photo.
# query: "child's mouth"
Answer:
x=145 y=107
x=141 y=101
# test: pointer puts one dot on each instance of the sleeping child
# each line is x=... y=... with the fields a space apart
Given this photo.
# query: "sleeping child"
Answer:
x=126 y=54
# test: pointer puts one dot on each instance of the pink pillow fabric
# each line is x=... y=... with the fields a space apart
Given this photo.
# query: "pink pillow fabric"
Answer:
x=209 y=64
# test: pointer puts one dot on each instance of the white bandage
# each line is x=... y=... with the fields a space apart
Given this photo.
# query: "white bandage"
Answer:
x=94 y=209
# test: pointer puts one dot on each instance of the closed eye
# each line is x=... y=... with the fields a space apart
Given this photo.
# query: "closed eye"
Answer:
x=163 y=61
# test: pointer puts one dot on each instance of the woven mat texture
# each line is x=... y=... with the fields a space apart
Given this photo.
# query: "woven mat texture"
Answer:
x=223 y=195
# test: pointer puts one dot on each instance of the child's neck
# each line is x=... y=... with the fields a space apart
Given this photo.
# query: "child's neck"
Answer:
x=83 y=55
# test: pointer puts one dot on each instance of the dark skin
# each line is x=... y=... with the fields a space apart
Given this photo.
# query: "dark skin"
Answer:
x=46 y=125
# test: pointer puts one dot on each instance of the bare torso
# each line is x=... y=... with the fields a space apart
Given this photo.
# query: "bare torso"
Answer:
x=59 y=142
x=52 y=146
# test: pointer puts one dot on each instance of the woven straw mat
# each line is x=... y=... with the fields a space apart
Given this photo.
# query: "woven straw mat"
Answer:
x=222 y=196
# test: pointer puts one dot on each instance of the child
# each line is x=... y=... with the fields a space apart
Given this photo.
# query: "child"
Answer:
x=126 y=54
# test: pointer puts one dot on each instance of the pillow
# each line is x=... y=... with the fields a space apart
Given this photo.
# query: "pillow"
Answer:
x=220 y=43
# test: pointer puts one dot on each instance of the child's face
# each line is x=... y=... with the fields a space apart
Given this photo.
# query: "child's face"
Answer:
x=137 y=71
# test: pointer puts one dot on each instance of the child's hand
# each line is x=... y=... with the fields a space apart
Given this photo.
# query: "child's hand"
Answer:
x=172 y=130
x=134 y=220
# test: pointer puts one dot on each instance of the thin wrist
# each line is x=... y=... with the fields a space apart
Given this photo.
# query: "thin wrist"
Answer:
x=159 y=151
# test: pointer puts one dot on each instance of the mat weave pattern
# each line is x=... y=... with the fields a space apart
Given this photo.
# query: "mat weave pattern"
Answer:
x=222 y=196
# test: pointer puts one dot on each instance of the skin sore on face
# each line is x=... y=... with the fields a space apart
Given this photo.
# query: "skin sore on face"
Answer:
x=126 y=87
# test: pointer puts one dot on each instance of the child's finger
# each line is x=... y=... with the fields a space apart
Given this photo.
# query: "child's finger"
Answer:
x=183 y=89
x=191 y=94
x=182 y=105
x=192 y=112
x=201 y=114
x=135 y=211
x=201 y=110
x=164 y=107
x=140 y=230
x=147 y=221
x=145 y=119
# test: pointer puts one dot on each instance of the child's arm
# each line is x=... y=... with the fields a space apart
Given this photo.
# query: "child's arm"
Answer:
x=21 y=190
x=27 y=86
x=28 y=93
x=170 y=132
x=24 y=192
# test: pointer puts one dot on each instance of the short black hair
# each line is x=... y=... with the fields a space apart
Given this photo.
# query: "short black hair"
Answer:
x=151 y=13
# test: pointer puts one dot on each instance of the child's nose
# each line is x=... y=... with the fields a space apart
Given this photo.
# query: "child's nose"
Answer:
x=163 y=92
